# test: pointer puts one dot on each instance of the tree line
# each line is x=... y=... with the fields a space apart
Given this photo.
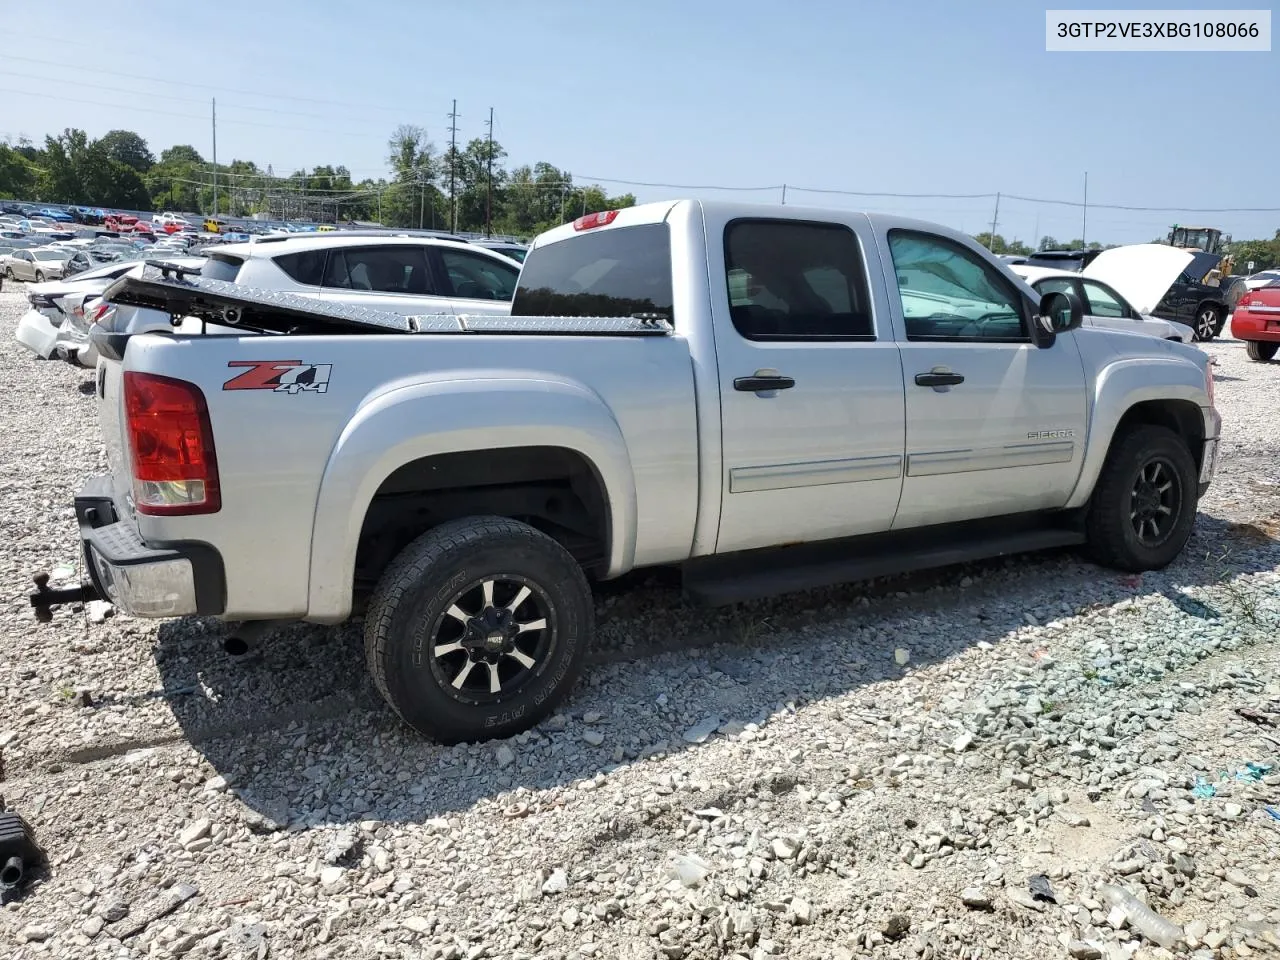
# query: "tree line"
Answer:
x=461 y=189
x=450 y=189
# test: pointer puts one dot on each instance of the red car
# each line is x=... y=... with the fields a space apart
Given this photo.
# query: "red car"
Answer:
x=143 y=227
x=120 y=222
x=1256 y=321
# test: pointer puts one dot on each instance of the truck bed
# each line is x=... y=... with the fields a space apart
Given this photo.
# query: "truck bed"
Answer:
x=367 y=392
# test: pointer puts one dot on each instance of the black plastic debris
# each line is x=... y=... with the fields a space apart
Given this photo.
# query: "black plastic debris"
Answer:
x=1041 y=888
x=19 y=853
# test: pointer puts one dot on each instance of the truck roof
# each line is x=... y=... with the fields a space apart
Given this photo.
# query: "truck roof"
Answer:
x=659 y=211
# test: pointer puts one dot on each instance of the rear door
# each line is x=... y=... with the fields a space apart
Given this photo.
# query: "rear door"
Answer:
x=474 y=282
x=811 y=390
x=394 y=278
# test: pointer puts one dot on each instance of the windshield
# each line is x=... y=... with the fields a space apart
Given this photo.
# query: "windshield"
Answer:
x=52 y=254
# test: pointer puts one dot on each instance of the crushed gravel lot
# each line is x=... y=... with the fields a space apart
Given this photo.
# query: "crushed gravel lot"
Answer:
x=977 y=763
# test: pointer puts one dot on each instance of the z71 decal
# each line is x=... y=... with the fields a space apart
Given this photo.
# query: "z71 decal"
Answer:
x=280 y=376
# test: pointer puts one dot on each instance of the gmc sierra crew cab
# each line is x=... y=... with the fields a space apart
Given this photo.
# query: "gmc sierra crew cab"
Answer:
x=768 y=397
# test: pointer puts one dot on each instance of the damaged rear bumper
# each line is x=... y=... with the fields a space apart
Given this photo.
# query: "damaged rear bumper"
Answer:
x=170 y=580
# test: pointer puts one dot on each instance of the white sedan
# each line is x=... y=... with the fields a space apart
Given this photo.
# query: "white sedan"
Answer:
x=1103 y=307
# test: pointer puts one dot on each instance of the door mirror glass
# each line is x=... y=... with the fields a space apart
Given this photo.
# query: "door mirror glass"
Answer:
x=1060 y=311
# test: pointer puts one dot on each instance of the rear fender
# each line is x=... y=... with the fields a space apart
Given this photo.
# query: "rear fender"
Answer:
x=1126 y=383
x=407 y=423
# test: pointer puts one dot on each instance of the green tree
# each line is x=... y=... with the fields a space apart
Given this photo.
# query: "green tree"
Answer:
x=18 y=175
x=412 y=199
x=125 y=146
x=1264 y=254
x=177 y=180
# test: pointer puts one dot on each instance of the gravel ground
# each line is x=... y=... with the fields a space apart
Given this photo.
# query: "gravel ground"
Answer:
x=973 y=763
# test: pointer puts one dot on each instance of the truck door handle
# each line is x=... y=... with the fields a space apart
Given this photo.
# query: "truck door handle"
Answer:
x=755 y=384
x=938 y=379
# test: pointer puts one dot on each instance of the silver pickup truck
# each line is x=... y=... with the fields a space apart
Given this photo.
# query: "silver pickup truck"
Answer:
x=768 y=397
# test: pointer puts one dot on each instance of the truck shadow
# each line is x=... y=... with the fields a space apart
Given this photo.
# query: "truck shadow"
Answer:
x=303 y=738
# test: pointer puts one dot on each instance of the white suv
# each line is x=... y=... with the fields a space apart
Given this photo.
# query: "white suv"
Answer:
x=406 y=275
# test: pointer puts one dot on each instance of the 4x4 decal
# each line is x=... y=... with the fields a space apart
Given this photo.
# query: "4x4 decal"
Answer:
x=280 y=376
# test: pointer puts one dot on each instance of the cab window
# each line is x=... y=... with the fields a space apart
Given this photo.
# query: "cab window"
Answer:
x=796 y=280
x=949 y=292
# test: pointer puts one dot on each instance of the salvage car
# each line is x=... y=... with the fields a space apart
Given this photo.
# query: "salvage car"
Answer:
x=399 y=274
x=1103 y=306
x=37 y=264
x=1166 y=282
x=1256 y=321
x=768 y=398
x=48 y=328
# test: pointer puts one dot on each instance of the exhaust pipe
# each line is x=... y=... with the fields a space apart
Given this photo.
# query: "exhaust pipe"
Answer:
x=11 y=873
x=243 y=638
x=18 y=851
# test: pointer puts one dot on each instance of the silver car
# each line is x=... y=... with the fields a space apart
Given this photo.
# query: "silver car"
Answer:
x=38 y=265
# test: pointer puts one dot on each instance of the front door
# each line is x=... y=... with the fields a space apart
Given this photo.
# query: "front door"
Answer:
x=476 y=283
x=810 y=384
x=995 y=424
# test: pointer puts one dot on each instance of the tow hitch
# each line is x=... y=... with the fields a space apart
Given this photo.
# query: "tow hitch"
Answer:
x=44 y=598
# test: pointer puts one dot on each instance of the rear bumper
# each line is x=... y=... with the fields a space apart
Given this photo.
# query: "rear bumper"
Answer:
x=1248 y=325
x=143 y=580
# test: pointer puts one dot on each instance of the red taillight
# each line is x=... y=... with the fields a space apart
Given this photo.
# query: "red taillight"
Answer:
x=99 y=312
x=1245 y=301
x=602 y=219
x=175 y=470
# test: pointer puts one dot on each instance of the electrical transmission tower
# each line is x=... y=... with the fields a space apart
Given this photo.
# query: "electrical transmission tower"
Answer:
x=488 y=199
x=453 y=167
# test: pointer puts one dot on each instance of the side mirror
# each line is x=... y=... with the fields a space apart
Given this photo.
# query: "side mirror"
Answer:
x=1060 y=312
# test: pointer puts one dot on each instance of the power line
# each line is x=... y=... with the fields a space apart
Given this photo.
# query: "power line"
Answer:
x=363 y=107
x=933 y=196
x=1131 y=209
x=148 y=94
x=186 y=116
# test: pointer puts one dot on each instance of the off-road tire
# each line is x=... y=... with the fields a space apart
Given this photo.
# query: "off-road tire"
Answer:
x=1208 y=322
x=1112 y=540
x=1261 y=350
x=421 y=583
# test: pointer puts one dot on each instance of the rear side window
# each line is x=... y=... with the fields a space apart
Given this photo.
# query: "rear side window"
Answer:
x=221 y=268
x=306 y=267
x=401 y=269
x=478 y=277
x=796 y=281
x=609 y=273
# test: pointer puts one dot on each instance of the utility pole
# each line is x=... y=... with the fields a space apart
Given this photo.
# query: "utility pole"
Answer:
x=215 y=156
x=784 y=194
x=991 y=243
x=422 y=197
x=1084 y=221
x=488 y=200
x=453 y=166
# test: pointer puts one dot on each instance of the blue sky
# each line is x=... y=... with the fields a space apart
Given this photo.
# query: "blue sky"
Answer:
x=904 y=97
